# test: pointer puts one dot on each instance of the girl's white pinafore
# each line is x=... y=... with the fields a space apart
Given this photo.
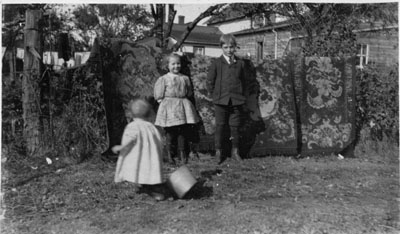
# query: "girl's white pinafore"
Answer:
x=175 y=108
x=143 y=162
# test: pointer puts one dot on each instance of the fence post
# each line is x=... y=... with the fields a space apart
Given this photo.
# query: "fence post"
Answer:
x=30 y=88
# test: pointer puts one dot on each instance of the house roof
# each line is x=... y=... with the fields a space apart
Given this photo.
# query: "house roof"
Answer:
x=199 y=35
x=278 y=25
x=377 y=25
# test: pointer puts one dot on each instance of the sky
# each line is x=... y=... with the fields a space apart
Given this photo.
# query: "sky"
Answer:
x=190 y=11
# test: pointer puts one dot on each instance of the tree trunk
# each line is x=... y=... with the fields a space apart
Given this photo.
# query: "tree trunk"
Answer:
x=160 y=10
x=12 y=63
x=171 y=17
x=30 y=88
x=12 y=51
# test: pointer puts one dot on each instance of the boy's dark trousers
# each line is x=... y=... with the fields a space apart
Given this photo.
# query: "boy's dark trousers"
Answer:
x=227 y=116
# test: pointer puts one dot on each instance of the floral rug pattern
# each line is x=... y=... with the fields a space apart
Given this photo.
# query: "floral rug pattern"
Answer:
x=277 y=106
x=326 y=105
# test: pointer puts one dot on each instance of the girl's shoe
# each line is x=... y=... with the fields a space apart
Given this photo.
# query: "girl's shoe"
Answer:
x=183 y=156
x=170 y=159
x=157 y=196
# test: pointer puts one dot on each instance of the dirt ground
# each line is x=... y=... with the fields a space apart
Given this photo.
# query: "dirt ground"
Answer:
x=279 y=194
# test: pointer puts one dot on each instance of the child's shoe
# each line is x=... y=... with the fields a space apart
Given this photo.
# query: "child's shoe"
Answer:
x=157 y=196
x=218 y=155
x=170 y=159
x=183 y=156
x=235 y=154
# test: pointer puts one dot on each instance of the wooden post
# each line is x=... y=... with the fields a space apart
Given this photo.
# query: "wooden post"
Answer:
x=30 y=87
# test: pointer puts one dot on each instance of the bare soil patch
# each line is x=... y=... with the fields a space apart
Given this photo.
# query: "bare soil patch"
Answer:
x=260 y=195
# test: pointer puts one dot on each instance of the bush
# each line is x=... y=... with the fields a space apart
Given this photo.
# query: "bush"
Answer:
x=80 y=129
x=377 y=102
x=72 y=116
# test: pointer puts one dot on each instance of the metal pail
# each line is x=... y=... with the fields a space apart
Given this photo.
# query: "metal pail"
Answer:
x=181 y=181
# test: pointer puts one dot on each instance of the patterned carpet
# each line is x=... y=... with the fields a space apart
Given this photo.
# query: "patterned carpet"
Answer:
x=296 y=106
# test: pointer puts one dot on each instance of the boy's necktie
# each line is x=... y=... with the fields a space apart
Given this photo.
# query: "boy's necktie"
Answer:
x=231 y=60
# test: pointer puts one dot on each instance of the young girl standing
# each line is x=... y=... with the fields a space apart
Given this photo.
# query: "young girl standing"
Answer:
x=140 y=152
x=176 y=112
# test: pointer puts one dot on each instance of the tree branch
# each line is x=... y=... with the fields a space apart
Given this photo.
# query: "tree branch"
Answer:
x=212 y=10
x=153 y=12
x=14 y=23
x=171 y=17
x=159 y=25
x=302 y=20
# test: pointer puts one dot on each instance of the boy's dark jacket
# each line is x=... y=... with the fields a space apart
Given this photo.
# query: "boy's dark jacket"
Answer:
x=228 y=81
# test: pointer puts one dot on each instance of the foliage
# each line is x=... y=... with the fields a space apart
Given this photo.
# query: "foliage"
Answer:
x=327 y=27
x=11 y=109
x=11 y=28
x=72 y=115
x=113 y=20
x=81 y=126
x=199 y=68
x=377 y=101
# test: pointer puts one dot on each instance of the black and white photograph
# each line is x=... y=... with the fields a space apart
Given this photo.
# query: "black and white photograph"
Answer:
x=199 y=117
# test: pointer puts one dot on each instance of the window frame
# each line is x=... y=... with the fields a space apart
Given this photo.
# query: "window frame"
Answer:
x=203 y=50
x=362 y=52
x=259 y=50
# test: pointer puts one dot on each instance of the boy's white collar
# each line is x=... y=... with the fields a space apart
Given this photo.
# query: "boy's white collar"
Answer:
x=227 y=58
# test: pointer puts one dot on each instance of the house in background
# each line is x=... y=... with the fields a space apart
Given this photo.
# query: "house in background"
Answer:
x=203 y=40
x=259 y=38
x=235 y=22
x=378 y=45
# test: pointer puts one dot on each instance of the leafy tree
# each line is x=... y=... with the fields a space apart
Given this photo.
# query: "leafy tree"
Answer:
x=328 y=27
x=12 y=30
x=112 y=20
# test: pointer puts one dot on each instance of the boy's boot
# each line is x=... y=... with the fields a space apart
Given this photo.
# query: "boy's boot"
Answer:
x=218 y=155
x=235 y=154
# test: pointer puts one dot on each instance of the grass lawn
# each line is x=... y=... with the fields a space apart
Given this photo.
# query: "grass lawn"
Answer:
x=261 y=195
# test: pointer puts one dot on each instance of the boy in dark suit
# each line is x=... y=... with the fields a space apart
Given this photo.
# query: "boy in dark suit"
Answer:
x=227 y=82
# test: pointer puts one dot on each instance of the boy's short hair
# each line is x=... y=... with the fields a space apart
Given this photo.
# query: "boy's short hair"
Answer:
x=228 y=39
x=139 y=108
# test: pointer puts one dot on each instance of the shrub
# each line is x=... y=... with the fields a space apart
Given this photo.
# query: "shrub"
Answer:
x=73 y=123
x=80 y=129
x=377 y=102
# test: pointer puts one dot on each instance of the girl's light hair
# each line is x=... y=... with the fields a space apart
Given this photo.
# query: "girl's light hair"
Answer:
x=168 y=57
x=227 y=39
x=139 y=108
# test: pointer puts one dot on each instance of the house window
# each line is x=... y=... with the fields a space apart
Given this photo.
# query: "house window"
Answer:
x=198 y=50
x=362 y=55
x=260 y=49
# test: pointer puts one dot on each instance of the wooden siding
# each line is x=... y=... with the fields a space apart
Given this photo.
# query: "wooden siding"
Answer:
x=248 y=43
x=383 y=46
